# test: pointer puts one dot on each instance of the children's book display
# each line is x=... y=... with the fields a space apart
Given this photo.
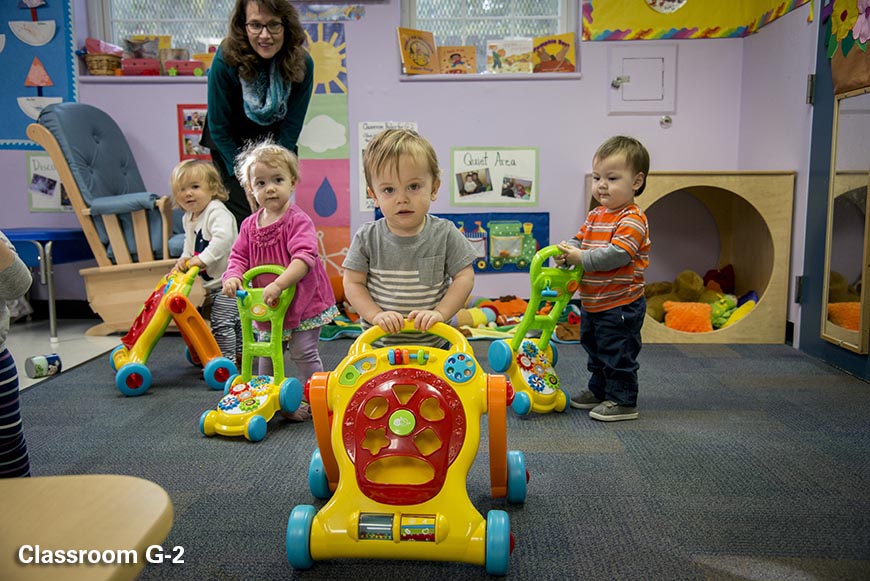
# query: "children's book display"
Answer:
x=250 y=401
x=397 y=430
x=513 y=55
x=554 y=53
x=457 y=60
x=417 y=48
x=530 y=363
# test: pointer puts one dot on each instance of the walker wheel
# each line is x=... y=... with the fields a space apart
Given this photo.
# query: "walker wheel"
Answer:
x=299 y=536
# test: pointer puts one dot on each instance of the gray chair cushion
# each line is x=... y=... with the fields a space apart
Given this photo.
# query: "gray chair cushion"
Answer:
x=103 y=167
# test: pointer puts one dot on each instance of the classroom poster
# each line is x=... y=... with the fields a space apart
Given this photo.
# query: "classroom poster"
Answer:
x=504 y=241
x=45 y=192
x=489 y=176
x=367 y=131
x=38 y=63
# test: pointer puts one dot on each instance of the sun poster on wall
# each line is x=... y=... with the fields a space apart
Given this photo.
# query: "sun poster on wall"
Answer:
x=323 y=191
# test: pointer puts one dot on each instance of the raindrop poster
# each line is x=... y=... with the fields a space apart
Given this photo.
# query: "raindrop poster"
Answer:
x=36 y=46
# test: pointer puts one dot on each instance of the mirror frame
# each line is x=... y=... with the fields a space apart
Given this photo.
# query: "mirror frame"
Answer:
x=857 y=341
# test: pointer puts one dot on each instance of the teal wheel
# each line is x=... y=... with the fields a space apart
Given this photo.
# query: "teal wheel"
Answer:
x=133 y=379
x=500 y=356
x=290 y=395
x=299 y=535
x=498 y=542
x=318 y=483
x=218 y=371
x=522 y=405
x=112 y=356
x=255 y=429
x=518 y=477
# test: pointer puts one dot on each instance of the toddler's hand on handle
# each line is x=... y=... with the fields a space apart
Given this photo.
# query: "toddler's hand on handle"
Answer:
x=195 y=261
x=389 y=321
x=231 y=285
x=570 y=255
x=271 y=294
x=423 y=320
x=180 y=265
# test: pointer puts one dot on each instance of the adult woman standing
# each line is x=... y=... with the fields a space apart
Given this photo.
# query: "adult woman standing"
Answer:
x=259 y=86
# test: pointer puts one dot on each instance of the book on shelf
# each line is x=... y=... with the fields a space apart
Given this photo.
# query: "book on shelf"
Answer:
x=510 y=55
x=457 y=60
x=554 y=53
x=417 y=48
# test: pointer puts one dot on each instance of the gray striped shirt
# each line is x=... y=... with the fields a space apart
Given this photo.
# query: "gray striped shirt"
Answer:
x=409 y=273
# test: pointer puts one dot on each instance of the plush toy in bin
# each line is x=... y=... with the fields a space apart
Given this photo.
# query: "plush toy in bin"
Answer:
x=168 y=302
x=249 y=400
x=530 y=363
x=397 y=430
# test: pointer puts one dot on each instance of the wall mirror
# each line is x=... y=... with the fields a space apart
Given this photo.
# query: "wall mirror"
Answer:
x=846 y=307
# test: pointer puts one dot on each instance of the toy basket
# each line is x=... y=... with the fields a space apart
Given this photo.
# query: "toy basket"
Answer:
x=102 y=64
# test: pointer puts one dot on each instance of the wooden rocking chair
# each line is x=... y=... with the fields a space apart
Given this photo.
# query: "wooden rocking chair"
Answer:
x=129 y=230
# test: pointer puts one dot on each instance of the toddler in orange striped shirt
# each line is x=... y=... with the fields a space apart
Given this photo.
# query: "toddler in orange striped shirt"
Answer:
x=613 y=248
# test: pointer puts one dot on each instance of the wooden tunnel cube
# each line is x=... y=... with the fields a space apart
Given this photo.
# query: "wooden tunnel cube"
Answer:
x=753 y=214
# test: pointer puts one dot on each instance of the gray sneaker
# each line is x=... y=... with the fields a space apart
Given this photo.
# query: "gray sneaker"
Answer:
x=585 y=401
x=608 y=411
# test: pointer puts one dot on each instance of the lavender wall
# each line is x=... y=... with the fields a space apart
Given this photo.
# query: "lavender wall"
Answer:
x=775 y=119
x=738 y=106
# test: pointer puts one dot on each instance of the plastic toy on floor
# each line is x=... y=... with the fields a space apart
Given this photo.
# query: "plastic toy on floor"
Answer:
x=168 y=302
x=397 y=430
x=530 y=363
x=250 y=401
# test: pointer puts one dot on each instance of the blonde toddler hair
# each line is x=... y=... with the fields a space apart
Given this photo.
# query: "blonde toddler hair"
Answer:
x=391 y=144
x=269 y=153
x=191 y=170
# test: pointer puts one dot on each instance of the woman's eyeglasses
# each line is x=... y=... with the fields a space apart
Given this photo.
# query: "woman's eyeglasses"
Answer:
x=272 y=27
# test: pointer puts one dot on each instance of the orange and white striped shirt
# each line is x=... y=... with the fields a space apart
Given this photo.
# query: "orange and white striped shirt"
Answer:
x=628 y=230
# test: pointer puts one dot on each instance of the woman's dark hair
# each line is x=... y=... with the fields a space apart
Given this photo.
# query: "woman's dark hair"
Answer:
x=237 y=50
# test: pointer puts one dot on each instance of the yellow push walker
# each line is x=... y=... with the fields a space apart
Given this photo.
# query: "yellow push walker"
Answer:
x=397 y=430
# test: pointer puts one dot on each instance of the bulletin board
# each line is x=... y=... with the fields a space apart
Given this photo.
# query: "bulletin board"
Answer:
x=493 y=176
x=38 y=63
x=647 y=20
x=504 y=241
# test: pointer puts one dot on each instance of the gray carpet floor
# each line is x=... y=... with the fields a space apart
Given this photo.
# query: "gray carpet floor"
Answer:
x=747 y=462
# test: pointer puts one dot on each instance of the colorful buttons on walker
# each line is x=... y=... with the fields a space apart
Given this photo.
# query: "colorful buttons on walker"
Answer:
x=402 y=422
x=228 y=403
x=405 y=356
x=249 y=405
x=459 y=367
x=536 y=383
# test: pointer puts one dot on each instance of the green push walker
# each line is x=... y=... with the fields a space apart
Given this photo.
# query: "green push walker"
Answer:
x=530 y=363
x=250 y=401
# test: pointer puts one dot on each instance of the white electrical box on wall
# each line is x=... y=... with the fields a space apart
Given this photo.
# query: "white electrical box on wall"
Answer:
x=642 y=79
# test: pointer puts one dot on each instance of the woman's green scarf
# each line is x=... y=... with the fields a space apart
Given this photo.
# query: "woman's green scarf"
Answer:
x=266 y=96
